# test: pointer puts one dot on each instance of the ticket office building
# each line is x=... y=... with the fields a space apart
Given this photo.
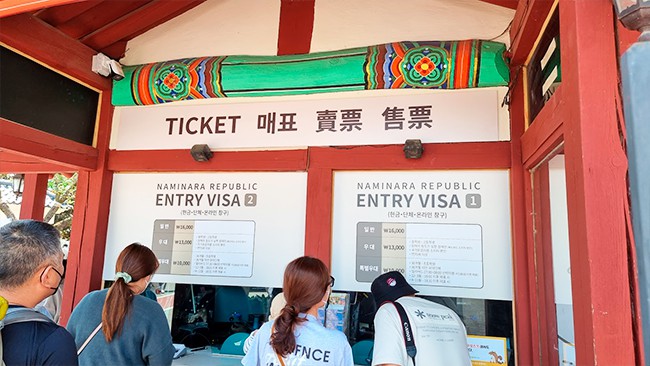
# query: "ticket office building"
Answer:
x=509 y=216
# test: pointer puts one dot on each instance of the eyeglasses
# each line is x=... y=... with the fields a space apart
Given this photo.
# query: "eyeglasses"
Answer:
x=332 y=281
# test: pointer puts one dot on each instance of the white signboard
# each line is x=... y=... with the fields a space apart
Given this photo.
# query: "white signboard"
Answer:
x=447 y=231
x=437 y=116
x=210 y=228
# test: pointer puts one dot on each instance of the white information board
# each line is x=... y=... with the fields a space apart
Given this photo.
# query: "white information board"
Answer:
x=210 y=228
x=204 y=247
x=447 y=231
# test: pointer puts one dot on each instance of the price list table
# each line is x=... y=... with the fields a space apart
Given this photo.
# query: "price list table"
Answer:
x=204 y=247
x=449 y=255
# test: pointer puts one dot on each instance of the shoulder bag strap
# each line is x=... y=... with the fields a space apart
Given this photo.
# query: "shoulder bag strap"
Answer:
x=411 y=350
x=277 y=354
x=90 y=337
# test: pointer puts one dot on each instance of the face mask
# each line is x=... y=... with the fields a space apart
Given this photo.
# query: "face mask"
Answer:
x=324 y=304
x=60 y=280
x=146 y=285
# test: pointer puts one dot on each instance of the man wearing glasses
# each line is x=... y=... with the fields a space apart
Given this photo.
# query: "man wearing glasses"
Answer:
x=31 y=269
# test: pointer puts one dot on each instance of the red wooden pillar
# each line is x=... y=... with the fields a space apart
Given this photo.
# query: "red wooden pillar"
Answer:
x=525 y=301
x=296 y=26
x=90 y=220
x=527 y=24
x=33 y=204
x=318 y=226
x=596 y=186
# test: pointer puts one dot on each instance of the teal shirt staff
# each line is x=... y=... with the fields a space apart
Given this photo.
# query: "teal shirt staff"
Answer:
x=145 y=338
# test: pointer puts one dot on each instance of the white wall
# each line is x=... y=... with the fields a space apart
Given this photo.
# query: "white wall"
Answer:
x=231 y=27
x=341 y=24
x=214 y=28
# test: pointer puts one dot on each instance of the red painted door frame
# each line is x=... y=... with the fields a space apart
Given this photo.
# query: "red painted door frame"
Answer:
x=33 y=203
x=583 y=114
x=542 y=243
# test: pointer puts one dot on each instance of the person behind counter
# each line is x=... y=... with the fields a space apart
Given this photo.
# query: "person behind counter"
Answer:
x=134 y=328
x=277 y=305
x=438 y=333
x=296 y=337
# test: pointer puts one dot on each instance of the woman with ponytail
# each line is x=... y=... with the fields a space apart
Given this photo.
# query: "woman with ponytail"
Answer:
x=115 y=326
x=296 y=337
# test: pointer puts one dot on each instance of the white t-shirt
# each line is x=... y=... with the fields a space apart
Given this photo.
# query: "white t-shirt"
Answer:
x=315 y=346
x=439 y=334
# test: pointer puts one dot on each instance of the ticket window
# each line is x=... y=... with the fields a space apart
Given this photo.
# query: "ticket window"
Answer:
x=447 y=231
x=207 y=314
x=482 y=318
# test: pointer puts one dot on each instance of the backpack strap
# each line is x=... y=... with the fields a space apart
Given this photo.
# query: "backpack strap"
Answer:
x=21 y=315
x=409 y=342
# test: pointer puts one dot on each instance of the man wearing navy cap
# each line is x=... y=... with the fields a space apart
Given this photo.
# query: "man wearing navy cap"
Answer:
x=437 y=331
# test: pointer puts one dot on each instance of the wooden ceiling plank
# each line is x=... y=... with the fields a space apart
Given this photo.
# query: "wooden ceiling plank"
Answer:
x=98 y=17
x=52 y=48
x=60 y=14
x=138 y=22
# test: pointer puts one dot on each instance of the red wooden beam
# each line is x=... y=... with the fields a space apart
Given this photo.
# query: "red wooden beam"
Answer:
x=512 y=4
x=596 y=169
x=33 y=203
x=181 y=161
x=12 y=7
x=116 y=50
x=10 y=163
x=526 y=26
x=52 y=48
x=546 y=131
x=296 y=26
x=478 y=155
x=98 y=16
x=61 y=14
x=45 y=146
x=138 y=22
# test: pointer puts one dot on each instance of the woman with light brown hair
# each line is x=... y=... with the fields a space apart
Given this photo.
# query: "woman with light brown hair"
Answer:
x=296 y=336
x=134 y=329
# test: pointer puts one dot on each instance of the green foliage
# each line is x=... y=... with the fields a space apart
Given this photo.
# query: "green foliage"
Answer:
x=65 y=190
